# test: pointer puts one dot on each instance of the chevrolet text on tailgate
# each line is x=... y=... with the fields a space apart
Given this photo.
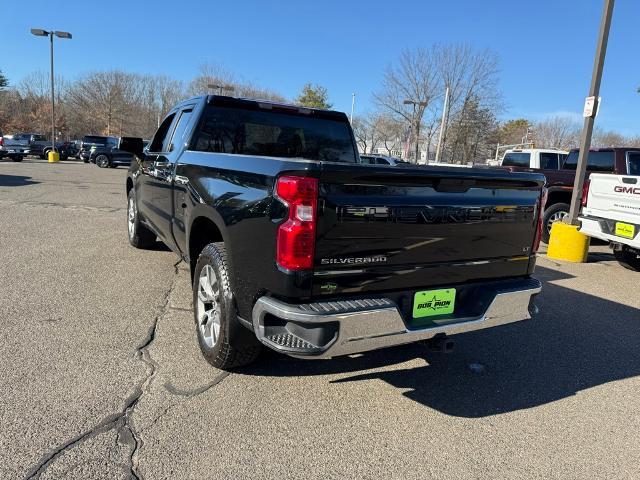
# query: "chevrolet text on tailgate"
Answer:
x=296 y=245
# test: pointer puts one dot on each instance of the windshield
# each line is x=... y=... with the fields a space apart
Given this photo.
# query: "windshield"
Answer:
x=599 y=161
x=516 y=159
x=274 y=134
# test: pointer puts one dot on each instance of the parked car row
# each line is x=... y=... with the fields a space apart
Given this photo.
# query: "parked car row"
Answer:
x=98 y=149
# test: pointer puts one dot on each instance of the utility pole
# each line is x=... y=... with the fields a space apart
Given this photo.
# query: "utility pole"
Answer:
x=590 y=110
x=443 y=125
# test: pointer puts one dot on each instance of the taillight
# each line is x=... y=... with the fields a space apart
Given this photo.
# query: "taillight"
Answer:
x=585 y=193
x=297 y=235
x=538 y=237
x=1 y=141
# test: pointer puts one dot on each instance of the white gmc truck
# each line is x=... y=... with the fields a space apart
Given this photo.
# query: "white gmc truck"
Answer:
x=611 y=212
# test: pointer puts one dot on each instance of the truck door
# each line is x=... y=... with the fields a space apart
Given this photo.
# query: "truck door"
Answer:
x=170 y=198
x=153 y=177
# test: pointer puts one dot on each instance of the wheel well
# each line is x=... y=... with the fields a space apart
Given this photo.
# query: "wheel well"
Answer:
x=558 y=197
x=203 y=232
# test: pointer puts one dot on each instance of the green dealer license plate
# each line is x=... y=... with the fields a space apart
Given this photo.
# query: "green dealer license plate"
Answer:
x=625 y=230
x=429 y=303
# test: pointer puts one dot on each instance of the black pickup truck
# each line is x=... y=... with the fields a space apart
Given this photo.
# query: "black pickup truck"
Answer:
x=294 y=244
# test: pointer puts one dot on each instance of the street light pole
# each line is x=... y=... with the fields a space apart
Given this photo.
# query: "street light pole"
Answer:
x=53 y=155
x=443 y=125
x=353 y=104
x=53 y=101
x=591 y=108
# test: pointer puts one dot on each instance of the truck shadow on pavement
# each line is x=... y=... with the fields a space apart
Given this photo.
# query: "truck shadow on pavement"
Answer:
x=577 y=341
x=16 y=181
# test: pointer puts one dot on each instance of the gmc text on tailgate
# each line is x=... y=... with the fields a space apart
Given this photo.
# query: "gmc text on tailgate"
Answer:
x=293 y=244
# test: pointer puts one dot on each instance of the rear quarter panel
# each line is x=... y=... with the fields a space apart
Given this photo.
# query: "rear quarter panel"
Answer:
x=236 y=193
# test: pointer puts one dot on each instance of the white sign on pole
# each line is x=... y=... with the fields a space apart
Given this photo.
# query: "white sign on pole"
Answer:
x=590 y=105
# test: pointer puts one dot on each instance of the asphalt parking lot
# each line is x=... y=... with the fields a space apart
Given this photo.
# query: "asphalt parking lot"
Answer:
x=101 y=376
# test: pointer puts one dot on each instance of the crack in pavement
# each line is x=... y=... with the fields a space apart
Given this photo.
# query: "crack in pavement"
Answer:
x=122 y=421
x=188 y=394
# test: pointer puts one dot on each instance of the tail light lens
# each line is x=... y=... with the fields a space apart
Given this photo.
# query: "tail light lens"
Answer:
x=1 y=141
x=538 y=237
x=297 y=235
x=585 y=193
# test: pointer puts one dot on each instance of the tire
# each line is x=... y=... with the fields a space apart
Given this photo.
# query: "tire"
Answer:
x=629 y=259
x=103 y=161
x=139 y=235
x=224 y=343
x=17 y=159
x=552 y=214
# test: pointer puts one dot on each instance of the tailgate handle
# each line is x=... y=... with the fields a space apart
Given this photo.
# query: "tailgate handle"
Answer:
x=629 y=180
x=454 y=185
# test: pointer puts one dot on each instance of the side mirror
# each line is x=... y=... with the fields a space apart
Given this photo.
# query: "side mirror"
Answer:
x=132 y=145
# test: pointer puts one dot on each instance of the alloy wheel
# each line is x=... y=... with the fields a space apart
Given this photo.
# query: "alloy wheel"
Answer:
x=556 y=217
x=131 y=217
x=208 y=306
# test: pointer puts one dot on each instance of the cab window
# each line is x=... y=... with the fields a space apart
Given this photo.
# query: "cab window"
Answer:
x=599 y=161
x=549 y=160
x=516 y=159
x=633 y=163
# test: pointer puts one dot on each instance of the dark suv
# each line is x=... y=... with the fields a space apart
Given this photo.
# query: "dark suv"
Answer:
x=110 y=155
x=89 y=141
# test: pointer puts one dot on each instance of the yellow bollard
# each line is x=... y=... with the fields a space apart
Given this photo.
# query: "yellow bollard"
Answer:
x=567 y=243
x=53 y=157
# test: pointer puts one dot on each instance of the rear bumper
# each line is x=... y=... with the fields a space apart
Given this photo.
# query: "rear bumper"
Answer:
x=597 y=228
x=330 y=329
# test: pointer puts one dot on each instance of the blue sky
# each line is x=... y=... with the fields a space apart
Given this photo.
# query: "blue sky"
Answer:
x=546 y=47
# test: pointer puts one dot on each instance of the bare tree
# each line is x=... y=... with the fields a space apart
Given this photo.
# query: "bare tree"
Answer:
x=602 y=138
x=557 y=132
x=366 y=132
x=212 y=74
x=414 y=79
x=422 y=75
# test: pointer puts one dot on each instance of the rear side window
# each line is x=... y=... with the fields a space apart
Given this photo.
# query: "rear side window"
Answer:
x=516 y=159
x=381 y=161
x=160 y=140
x=273 y=134
x=177 y=138
x=94 y=139
x=549 y=160
x=633 y=163
x=601 y=161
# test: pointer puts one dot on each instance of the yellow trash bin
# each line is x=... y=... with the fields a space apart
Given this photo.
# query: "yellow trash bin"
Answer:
x=567 y=243
x=53 y=157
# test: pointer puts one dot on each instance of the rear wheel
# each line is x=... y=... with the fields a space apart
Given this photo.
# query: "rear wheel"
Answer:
x=214 y=313
x=554 y=213
x=628 y=258
x=139 y=235
x=103 y=161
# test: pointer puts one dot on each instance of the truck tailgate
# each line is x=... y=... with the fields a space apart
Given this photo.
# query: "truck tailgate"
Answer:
x=615 y=197
x=386 y=228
